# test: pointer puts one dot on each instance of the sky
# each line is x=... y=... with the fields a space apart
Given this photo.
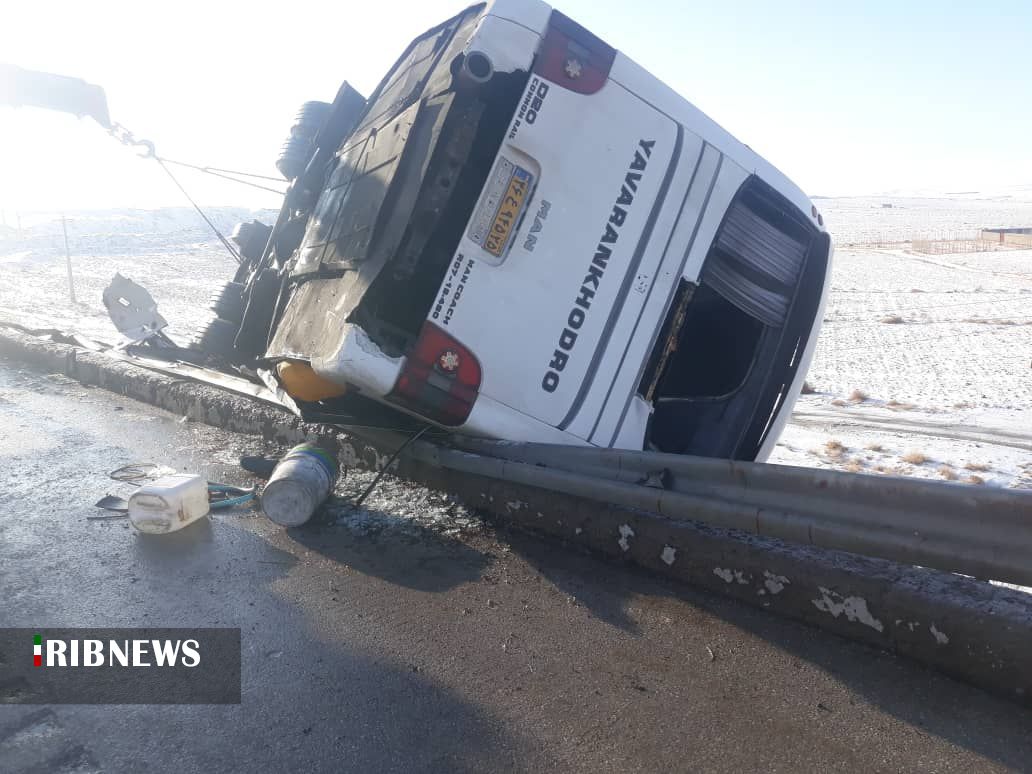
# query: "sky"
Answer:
x=867 y=97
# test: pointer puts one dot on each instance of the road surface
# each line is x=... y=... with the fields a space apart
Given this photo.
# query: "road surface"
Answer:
x=412 y=637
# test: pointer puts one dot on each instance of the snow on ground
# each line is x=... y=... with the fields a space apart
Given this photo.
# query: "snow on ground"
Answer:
x=866 y=219
x=170 y=251
x=919 y=356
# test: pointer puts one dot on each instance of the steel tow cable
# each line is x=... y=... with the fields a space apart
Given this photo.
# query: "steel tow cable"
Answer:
x=226 y=174
x=127 y=138
x=225 y=242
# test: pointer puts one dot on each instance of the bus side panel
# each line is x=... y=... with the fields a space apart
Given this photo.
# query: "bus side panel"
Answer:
x=516 y=313
x=637 y=79
x=713 y=184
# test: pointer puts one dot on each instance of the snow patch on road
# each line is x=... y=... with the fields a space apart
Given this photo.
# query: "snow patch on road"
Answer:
x=626 y=533
x=775 y=583
x=854 y=608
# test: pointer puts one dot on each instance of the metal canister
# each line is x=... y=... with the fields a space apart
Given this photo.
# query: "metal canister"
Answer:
x=300 y=483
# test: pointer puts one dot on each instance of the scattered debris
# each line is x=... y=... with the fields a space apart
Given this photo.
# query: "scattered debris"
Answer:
x=386 y=466
x=166 y=501
x=132 y=309
x=169 y=504
x=111 y=503
x=299 y=484
x=222 y=496
x=136 y=473
x=259 y=466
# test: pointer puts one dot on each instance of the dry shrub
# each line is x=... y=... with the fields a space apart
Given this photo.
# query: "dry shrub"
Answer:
x=981 y=467
x=892 y=319
x=807 y=389
x=915 y=458
x=838 y=402
x=855 y=465
x=962 y=405
x=985 y=321
x=875 y=447
x=881 y=469
x=898 y=405
x=834 y=448
x=948 y=473
x=975 y=480
x=857 y=396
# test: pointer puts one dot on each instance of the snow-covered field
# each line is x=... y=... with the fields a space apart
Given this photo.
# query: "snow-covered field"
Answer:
x=865 y=219
x=923 y=367
x=170 y=251
x=921 y=356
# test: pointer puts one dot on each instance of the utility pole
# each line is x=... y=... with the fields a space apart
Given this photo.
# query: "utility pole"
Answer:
x=68 y=259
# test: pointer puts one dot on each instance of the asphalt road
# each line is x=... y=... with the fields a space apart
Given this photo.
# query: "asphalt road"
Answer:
x=410 y=636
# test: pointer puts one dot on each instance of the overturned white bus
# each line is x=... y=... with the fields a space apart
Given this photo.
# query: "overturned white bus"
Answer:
x=522 y=234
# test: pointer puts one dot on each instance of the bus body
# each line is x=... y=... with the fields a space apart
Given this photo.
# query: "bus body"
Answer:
x=527 y=236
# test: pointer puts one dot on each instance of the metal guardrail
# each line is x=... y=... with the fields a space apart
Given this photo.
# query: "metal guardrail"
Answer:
x=985 y=533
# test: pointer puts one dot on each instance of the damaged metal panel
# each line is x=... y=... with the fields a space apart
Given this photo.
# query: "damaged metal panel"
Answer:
x=424 y=68
x=314 y=317
x=132 y=309
x=342 y=225
x=367 y=212
x=360 y=223
x=373 y=217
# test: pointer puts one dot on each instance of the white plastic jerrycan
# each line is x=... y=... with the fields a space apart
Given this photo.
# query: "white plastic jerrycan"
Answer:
x=169 y=503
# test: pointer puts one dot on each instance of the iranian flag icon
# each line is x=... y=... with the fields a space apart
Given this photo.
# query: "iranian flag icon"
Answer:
x=37 y=650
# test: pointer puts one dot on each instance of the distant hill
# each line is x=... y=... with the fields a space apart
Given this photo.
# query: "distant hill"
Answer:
x=181 y=221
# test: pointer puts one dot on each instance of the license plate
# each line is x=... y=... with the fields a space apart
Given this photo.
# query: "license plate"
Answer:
x=500 y=211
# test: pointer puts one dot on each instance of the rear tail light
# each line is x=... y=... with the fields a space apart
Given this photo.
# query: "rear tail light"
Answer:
x=440 y=380
x=572 y=57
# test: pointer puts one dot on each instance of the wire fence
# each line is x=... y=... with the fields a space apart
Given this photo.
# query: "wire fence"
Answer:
x=943 y=242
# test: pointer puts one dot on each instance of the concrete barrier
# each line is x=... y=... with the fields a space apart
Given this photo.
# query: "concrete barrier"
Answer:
x=975 y=631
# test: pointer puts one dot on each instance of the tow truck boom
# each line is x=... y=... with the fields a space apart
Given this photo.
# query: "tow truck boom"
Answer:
x=31 y=88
